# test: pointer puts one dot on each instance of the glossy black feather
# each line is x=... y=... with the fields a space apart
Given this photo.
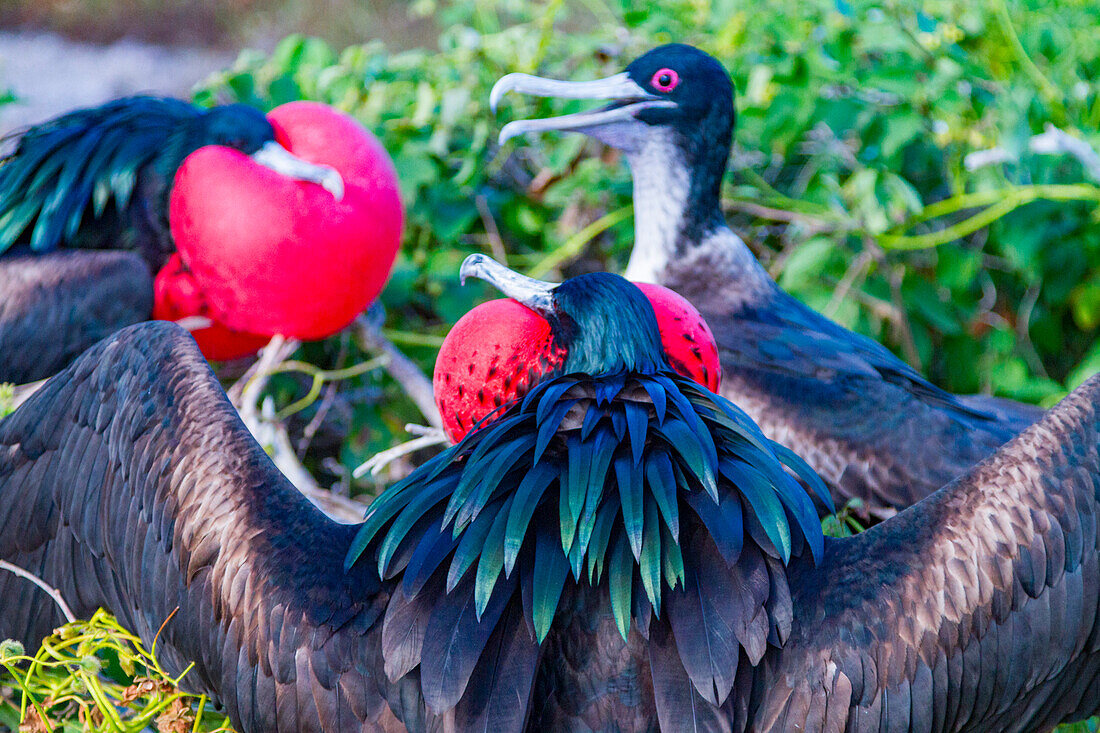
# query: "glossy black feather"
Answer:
x=520 y=526
x=500 y=688
x=99 y=177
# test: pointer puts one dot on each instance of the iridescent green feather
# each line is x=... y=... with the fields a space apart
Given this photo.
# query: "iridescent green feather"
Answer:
x=74 y=166
x=583 y=488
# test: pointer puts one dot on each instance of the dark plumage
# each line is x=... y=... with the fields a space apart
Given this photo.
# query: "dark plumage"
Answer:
x=55 y=305
x=129 y=482
x=99 y=178
x=871 y=425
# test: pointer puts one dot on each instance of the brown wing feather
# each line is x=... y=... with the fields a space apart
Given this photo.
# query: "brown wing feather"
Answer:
x=129 y=482
x=54 y=306
x=975 y=609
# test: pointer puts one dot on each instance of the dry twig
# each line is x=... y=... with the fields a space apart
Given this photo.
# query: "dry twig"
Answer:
x=403 y=370
x=52 y=592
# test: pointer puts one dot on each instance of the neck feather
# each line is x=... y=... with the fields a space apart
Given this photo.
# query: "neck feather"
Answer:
x=677 y=216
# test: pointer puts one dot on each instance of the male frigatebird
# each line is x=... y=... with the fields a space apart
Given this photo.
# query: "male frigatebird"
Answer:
x=613 y=548
x=869 y=423
x=213 y=202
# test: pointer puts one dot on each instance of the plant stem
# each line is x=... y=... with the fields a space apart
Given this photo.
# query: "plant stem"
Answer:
x=408 y=338
x=404 y=371
x=1046 y=88
x=576 y=243
x=998 y=203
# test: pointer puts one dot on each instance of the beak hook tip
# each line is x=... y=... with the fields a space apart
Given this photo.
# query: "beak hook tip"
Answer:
x=334 y=184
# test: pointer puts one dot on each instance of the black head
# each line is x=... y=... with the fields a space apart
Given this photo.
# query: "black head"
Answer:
x=236 y=126
x=674 y=86
x=603 y=321
x=607 y=325
x=697 y=84
x=673 y=106
x=248 y=130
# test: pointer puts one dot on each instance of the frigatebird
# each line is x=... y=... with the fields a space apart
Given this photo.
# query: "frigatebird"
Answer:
x=869 y=423
x=214 y=202
x=613 y=548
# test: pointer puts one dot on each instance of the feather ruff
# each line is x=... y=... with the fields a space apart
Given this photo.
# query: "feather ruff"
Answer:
x=646 y=485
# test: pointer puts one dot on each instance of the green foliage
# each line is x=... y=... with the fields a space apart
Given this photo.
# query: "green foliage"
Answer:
x=7 y=399
x=844 y=523
x=849 y=176
x=96 y=676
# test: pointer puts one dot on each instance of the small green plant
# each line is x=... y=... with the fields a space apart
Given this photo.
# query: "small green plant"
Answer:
x=95 y=675
x=844 y=523
x=7 y=399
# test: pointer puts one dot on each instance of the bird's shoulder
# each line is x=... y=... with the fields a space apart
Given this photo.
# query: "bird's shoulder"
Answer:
x=999 y=565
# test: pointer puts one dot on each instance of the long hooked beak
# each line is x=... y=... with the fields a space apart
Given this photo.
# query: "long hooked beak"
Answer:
x=274 y=156
x=535 y=294
x=626 y=96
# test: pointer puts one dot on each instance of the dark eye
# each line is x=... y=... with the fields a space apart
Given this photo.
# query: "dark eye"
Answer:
x=665 y=80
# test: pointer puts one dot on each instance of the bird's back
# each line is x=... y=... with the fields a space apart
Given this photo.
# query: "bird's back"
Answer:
x=94 y=178
x=866 y=421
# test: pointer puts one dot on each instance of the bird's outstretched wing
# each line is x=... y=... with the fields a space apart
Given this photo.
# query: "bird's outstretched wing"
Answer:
x=975 y=609
x=129 y=482
x=85 y=162
x=56 y=305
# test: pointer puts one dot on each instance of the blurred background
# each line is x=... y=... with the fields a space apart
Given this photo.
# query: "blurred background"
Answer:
x=921 y=172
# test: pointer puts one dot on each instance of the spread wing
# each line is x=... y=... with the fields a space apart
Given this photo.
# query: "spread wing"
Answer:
x=56 y=305
x=976 y=608
x=129 y=482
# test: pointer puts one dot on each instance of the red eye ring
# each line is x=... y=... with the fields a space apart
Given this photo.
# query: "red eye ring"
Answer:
x=665 y=80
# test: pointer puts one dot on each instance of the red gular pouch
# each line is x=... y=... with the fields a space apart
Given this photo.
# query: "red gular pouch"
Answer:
x=688 y=341
x=500 y=349
x=276 y=255
x=177 y=295
x=494 y=354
